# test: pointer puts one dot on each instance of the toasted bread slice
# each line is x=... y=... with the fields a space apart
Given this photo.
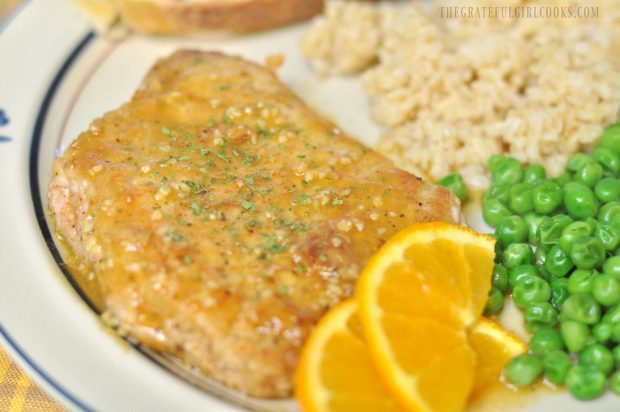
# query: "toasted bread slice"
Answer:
x=185 y=16
x=103 y=13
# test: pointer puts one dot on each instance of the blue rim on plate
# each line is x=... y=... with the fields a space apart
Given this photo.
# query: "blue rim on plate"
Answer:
x=40 y=215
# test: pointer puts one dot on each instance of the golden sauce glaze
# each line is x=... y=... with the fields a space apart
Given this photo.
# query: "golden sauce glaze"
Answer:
x=221 y=217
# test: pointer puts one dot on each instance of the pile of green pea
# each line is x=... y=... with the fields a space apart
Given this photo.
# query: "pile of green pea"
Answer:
x=558 y=254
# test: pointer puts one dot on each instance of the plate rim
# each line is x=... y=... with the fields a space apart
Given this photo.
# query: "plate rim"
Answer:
x=19 y=355
x=54 y=386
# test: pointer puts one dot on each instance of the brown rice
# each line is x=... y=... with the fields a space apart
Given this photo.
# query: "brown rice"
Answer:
x=451 y=92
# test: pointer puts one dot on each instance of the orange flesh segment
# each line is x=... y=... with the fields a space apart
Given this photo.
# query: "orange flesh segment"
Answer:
x=494 y=347
x=418 y=295
x=335 y=372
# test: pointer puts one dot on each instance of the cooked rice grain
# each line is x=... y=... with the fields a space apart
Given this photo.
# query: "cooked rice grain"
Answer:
x=453 y=92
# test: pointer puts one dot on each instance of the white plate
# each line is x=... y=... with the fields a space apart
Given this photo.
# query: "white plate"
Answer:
x=55 y=77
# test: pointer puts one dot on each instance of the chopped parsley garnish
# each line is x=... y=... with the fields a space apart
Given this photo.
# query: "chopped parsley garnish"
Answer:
x=337 y=202
x=247 y=205
x=254 y=223
x=222 y=156
x=175 y=236
x=273 y=246
x=195 y=187
x=304 y=199
x=263 y=131
x=212 y=122
x=195 y=208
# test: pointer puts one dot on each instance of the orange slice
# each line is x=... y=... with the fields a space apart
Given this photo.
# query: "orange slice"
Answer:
x=417 y=296
x=335 y=371
x=494 y=347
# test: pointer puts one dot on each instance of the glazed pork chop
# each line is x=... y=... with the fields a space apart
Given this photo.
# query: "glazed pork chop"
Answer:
x=221 y=217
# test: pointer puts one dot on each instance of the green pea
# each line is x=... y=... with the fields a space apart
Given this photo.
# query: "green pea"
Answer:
x=539 y=315
x=522 y=370
x=551 y=228
x=587 y=252
x=495 y=302
x=609 y=212
x=611 y=138
x=607 y=158
x=454 y=182
x=559 y=292
x=557 y=262
x=606 y=289
x=512 y=229
x=607 y=189
x=612 y=316
x=544 y=274
x=517 y=254
x=581 y=307
x=521 y=198
x=580 y=281
x=534 y=174
x=573 y=231
x=498 y=249
x=556 y=364
x=540 y=256
x=581 y=202
x=608 y=234
x=575 y=335
x=494 y=160
x=615 y=332
x=577 y=162
x=494 y=211
x=616 y=353
x=562 y=179
x=572 y=186
x=500 y=191
x=589 y=175
x=520 y=272
x=585 y=382
x=533 y=221
x=500 y=278
x=591 y=222
x=597 y=356
x=547 y=197
x=612 y=266
x=508 y=170
x=602 y=332
x=531 y=289
x=614 y=382
x=545 y=340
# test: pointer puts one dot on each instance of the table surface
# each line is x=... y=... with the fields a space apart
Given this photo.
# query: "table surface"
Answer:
x=17 y=391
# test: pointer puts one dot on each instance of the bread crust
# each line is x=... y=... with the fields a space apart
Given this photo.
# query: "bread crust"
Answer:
x=241 y=16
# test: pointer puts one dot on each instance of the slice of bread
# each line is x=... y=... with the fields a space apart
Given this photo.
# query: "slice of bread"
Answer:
x=186 y=16
x=103 y=13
